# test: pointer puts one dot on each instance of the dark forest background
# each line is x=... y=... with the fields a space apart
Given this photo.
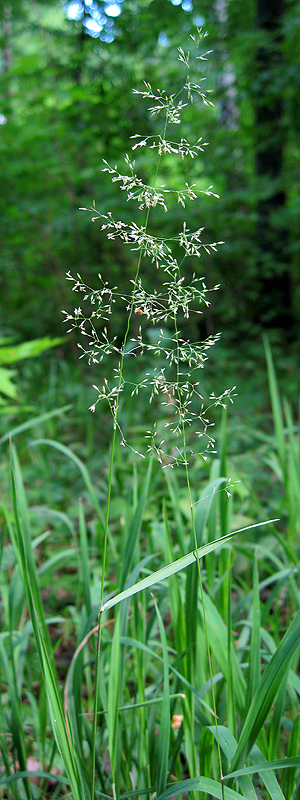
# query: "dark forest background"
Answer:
x=67 y=103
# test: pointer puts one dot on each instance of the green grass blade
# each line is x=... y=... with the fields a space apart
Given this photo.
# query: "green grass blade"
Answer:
x=292 y=751
x=208 y=785
x=224 y=499
x=254 y=656
x=176 y=603
x=282 y=763
x=12 y=353
x=134 y=529
x=296 y=793
x=24 y=552
x=164 y=728
x=81 y=466
x=68 y=555
x=276 y=721
x=258 y=764
x=114 y=700
x=203 y=508
x=173 y=489
x=231 y=670
x=32 y=423
x=7 y=781
x=218 y=642
x=176 y=566
x=59 y=728
x=268 y=775
x=84 y=560
x=266 y=692
x=228 y=746
x=276 y=407
x=201 y=515
x=17 y=731
x=27 y=567
x=59 y=516
x=199 y=693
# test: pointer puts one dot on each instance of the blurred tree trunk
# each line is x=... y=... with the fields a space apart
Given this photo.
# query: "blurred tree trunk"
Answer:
x=274 y=301
x=226 y=72
x=7 y=55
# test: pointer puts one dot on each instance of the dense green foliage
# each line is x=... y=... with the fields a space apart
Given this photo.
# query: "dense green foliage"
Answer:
x=67 y=102
x=51 y=555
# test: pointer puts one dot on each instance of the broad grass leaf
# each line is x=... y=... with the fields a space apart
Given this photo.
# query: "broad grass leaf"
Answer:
x=33 y=422
x=217 y=636
x=134 y=528
x=22 y=541
x=228 y=745
x=263 y=766
x=165 y=723
x=114 y=698
x=266 y=692
x=254 y=656
x=276 y=406
x=208 y=785
x=176 y=566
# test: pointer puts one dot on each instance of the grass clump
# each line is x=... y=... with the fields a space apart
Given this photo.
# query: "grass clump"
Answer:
x=177 y=679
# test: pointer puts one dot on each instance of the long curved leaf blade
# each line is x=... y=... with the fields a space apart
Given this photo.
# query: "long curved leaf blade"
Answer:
x=134 y=528
x=31 y=423
x=22 y=542
x=201 y=785
x=164 y=728
x=282 y=763
x=176 y=566
x=266 y=692
x=81 y=466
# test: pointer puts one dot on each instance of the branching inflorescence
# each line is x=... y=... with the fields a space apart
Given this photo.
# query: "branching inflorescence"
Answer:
x=173 y=374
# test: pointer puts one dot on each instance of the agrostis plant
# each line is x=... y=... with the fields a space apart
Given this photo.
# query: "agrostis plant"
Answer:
x=145 y=712
x=174 y=360
x=173 y=378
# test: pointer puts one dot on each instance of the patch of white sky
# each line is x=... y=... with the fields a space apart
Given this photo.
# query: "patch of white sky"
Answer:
x=99 y=20
x=94 y=17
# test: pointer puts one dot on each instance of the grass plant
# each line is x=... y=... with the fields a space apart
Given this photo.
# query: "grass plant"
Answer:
x=146 y=648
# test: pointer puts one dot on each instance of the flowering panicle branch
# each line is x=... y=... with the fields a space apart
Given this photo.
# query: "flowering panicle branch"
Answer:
x=163 y=146
x=174 y=361
x=164 y=103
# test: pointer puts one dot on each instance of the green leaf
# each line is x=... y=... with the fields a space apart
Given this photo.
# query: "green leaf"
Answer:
x=134 y=528
x=282 y=763
x=24 y=554
x=276 y=407
x=208 y=785
x=254 y=656
x=32 y=423
x=7 y=387
x=81 y=466
x=176 y=566
x=164 y=727
x=266 y=692
x=114 y=698
x=18 y=352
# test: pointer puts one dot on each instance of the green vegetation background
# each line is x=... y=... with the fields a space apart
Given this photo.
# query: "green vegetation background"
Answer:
x=67 y=103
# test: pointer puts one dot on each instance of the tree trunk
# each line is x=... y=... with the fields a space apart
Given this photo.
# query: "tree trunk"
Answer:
x=274 y=301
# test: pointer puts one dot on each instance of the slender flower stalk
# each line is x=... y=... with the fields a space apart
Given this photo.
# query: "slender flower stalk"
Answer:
x=110 y=478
